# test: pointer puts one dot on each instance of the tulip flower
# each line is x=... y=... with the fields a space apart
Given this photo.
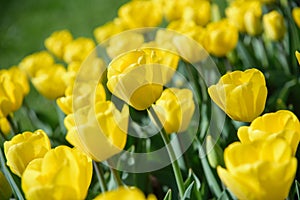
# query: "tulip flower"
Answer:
x=175 y=109
x=25 y=147
x=63 y=173
x=19 y=77
x=34 y=62
x=109 y=29
x=123 y=193
x=138 y=76
x=198 y=12
x=134 y=14
x=262 y=169
x=100 y=133
x=296 y=16
x=241 y=95
x=78 y=49
x=50 y=82
x=220 y=38
x=245 y=15
x=274 y=26
x=4 y=125
x=57 y=42
x=282 y=124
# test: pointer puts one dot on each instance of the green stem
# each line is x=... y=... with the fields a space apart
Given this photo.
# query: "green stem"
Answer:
x=16 y=190
x=100 y=176
x=116 y=175
x=175 y=165
x=13 y=124
x=4 y=136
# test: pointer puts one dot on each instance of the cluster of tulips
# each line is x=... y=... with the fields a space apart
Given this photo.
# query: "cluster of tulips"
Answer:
x=143 y=89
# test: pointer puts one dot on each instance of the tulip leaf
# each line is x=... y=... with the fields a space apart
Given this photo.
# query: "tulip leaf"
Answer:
x=225 y=196
x=188 y=191
x=297 y=185
x=168 y=195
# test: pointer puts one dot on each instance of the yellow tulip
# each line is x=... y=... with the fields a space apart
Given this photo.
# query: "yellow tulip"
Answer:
x=175 y=109
x=100 y=133
x=11 y=94
x=134 y=14
x=123 y=43
x=245 y=15
x=51 y=82
x=282 y=124
x=123 y=193
x=19 y=77
x=109 y=29
x=220 y=38
x=25 y=147
x=297 y=54
x=274 y=26
x=57 y=42
x=137 y=77
x=296 y=16
x=78 y=49
x=34 y=62
x=4 y=125
x=241 y=95
x=197 y=11
x=63 y=173
x=262 y=169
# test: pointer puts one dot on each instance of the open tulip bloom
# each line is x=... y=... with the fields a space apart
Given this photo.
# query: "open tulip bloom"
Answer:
x=174 y=99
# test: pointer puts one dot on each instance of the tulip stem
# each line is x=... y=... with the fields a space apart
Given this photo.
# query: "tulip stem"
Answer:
x=3 y=135
x=100 y=175
x=17 y=192
x=116 y=175
x=175 y=165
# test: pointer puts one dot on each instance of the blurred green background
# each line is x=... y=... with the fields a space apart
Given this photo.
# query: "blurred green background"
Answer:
x=24 y=25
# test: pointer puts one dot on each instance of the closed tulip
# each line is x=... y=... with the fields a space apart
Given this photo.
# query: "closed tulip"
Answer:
x=100 y=133
x=78 y=49
x=34 y=62
x=134 y=14
x=123 y=193
x=262 y=169
x=220 y=38
x=57 y=42
x=25 y=147
x=137 y=77
x=274 y=26
x=4 y=125
x=175 y=109
x=282 y=124
x=241 y=95
x=109 y=29
x=51 y=82
x=63 y=173
x=296 y=16
x=19 y=77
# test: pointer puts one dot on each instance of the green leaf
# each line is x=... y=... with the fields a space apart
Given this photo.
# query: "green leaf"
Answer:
x=297 y=185
x=168 y=195
x=188 y=191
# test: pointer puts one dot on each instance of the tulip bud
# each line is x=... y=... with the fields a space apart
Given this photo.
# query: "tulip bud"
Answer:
x=263 y=169
x=241 y=95
x=214 y=152
x=25 y=147
x=78 y=50
x=4 y=125
x=220 y=38
x=296 y=16
x=175 y=109
x=274 y=26
x=57 y=42
x=5 y=189
x=126 y=193
x=253 y=23
x=141 y=73
x=34 y=62
x=283 y=124
x=63 y=173
x=50 y=82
